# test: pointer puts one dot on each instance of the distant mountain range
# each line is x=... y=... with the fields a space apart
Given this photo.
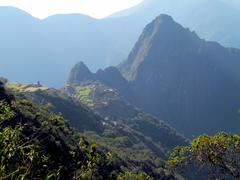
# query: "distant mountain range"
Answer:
x=58 y=42
x=215 y=20
x=190 y=83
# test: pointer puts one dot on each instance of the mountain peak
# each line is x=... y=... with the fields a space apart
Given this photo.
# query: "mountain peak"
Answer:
x=79 y=73
x=162 y=35
x=81 y=64
x=183 y=79
x=164 y=18
x=165 y=25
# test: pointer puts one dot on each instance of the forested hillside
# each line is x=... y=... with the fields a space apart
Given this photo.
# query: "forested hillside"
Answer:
x=134 y=148
x=35 y=143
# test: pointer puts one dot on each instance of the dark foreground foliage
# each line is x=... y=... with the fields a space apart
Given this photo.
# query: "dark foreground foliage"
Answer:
x=67 y=153
x=37 y=144
x=217 y=157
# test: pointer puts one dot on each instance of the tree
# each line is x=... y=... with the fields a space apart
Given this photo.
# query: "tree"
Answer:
x=218 y=156
x=3 y=80
x=4 y=95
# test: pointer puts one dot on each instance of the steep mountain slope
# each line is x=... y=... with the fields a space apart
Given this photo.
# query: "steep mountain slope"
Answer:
x=80 y=73
x=78 y=115
x=60 y=41
x=105 y=99
x=189 y=13
x=190 y=83
x=38 y=144
x=111 y=76
x=126 y=140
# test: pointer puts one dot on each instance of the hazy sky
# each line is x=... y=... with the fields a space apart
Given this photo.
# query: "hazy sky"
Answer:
x=94 y=8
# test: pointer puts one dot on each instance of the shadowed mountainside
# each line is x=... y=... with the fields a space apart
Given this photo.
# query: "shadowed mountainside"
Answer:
x=190 y=83
x=41 y=47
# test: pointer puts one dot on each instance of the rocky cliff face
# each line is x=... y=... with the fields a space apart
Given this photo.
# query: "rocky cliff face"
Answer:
x=190 y=83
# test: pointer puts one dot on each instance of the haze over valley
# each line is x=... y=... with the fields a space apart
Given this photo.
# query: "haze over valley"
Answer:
x=150 y=92
x=68 y=39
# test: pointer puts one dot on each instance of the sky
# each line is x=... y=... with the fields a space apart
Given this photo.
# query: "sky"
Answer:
x=95 y=8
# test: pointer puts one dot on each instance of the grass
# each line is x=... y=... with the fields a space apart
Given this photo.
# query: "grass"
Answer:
x=84 y=94
x=25 y=87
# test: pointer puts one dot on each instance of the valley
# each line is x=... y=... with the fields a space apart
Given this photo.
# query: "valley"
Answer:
x=151 y=92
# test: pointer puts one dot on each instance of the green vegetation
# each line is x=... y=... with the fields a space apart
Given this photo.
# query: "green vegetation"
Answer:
x=35 y=143
x=38 y=144
x=139 y=153
x=217 y=156
x=132 y=176
x=141 y=142
x=26 y=87
x=84 y=94
x=78 y=115
x=120 y=149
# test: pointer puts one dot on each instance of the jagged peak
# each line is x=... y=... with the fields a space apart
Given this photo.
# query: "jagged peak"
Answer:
x=81 y=64
x=80 y=73
x=164 y=22
x=163 y=33
x=164 y=18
